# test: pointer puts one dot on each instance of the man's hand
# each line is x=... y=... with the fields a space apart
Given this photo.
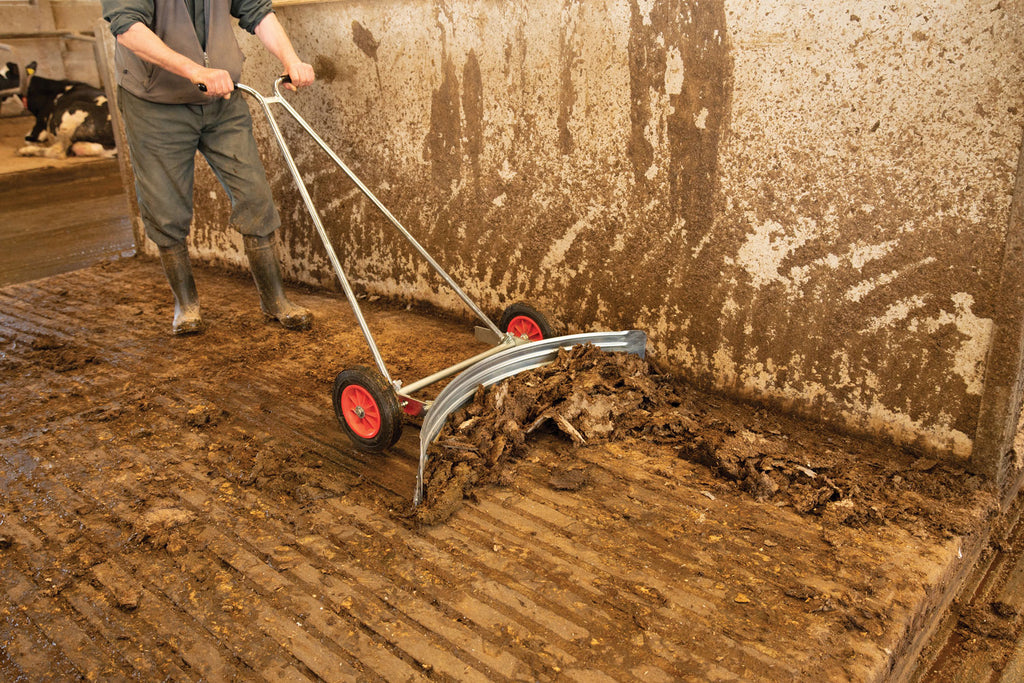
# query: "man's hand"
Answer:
x=301 y=75
x=218 y=82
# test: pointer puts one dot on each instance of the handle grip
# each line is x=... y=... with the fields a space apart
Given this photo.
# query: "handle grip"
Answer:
x=284 y=79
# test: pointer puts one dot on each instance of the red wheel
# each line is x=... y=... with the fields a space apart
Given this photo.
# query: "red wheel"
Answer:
x=367 y=409
x=362 y=414
x=523 y=320
x=521 y=326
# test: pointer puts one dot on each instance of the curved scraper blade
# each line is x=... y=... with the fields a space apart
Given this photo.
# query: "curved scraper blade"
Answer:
x=505 y=364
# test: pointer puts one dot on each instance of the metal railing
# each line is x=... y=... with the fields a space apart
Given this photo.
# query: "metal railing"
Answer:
x=87 y=36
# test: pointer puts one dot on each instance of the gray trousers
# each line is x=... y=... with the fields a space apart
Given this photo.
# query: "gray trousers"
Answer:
x=163 y=140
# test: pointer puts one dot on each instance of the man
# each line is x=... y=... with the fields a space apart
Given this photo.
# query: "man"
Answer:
x=165 y=50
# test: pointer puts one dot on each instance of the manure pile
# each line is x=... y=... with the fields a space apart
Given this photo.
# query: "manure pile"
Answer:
x=590 y=396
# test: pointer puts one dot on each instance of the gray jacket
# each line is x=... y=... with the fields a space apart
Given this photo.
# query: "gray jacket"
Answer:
x=172 y=23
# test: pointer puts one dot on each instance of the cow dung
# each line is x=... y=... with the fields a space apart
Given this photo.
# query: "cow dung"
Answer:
x=586 y=394
x=588 y=397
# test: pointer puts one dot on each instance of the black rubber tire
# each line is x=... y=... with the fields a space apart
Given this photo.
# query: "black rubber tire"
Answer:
x=523 y=310
x=368 y=388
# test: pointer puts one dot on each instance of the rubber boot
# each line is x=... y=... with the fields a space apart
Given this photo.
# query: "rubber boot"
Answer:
x=178 y=269
x=267 y=275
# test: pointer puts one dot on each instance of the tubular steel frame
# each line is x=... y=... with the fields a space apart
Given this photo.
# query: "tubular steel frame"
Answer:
x=509 y=354
x=506 y=340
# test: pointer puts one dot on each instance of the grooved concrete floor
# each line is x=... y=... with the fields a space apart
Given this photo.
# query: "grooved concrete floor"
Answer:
x=60 y=216
x=186 y=508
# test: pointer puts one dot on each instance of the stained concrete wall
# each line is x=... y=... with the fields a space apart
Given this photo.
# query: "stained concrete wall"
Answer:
x=804 y=205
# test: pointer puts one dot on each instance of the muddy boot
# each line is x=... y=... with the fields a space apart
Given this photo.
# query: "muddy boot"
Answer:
x=267 y=275
x=186 y=301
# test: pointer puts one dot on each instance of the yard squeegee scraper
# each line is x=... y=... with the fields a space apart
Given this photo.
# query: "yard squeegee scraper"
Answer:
x=367 y=402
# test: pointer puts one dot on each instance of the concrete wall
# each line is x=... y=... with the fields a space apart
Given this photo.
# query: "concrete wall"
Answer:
x=80 y=17
x=56 y=57
x=803 y=204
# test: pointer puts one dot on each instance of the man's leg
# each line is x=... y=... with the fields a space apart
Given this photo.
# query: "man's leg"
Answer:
x=163 y=140
x=229 y=147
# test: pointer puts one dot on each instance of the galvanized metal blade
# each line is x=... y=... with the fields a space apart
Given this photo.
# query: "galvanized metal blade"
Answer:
x=505 y=364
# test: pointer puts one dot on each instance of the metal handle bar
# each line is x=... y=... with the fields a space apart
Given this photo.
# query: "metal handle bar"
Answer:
x=283 y=79
x=383 y=209
x=265 y=102
x=304 y=192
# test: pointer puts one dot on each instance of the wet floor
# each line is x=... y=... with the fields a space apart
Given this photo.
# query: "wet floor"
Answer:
x=57 y=216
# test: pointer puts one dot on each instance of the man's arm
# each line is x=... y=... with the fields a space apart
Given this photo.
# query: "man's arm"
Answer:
x=272 y=35
x=147 y=45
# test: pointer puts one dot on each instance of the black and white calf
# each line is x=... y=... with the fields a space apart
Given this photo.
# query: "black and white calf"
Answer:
x=71 y=118
x=9 y=79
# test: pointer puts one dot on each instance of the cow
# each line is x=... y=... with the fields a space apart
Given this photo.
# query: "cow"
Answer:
x=71 y=118
x=10 y=81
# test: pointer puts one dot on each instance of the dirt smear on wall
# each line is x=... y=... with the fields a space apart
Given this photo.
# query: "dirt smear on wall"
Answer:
x=588 y=396
x=444 y=141
x=473 y=111
x=568 y=57
x=679 y=50
x=368 y=44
